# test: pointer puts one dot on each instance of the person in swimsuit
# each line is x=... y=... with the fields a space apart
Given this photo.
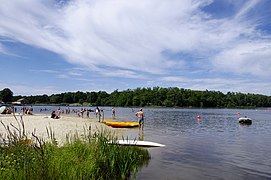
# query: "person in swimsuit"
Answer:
x=140 y=117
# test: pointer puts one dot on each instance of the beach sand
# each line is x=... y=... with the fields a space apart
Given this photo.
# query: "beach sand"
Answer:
x=60 y=127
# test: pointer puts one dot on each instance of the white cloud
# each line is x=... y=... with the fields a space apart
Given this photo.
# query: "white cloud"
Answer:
x=49 y=71
x=127 y=38
x=246 y=8
x=247 y=58
x=176 y=79
x=122 y=73
x=124 y=34
x=73 y=73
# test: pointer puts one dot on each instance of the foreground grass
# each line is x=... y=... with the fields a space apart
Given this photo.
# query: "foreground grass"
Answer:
x=91 y=157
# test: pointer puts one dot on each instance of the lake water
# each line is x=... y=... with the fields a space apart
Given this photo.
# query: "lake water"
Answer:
x=214 y=147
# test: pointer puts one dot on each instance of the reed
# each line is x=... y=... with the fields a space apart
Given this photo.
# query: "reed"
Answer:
x=87 y=157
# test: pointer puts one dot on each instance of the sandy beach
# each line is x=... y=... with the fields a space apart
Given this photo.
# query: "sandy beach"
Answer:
x=61 y=127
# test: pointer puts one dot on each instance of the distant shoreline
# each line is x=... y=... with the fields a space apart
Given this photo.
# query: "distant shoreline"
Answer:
x=174 y=107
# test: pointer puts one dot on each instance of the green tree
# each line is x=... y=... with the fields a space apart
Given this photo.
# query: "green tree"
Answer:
x=56 y=99
x=81 y=101
x=168 y=103
x=92 y=98
x=6 y=95
x=136 y=101
x=68 y=98
x=157 y=96
x=79 y=95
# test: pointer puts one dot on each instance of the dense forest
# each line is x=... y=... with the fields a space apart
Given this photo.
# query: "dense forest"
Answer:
x=156 y=96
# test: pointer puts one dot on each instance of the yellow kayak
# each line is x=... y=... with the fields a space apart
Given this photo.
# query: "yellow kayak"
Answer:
x=119 y=124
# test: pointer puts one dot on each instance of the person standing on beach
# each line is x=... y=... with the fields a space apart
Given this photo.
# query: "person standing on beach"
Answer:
x=140 y=117
x=113 y=112
x=58 y=112
x=97 y=111
x=82 y=112
x=88 y=110
x=31 y=110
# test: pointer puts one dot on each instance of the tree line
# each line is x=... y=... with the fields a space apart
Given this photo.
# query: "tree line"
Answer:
x=156 y=96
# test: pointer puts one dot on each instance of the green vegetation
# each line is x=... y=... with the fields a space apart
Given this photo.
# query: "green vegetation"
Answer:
x=88 y=157
x=165 y=97
x=6 y=95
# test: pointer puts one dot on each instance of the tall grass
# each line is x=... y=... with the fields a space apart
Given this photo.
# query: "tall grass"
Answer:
x=90 y=157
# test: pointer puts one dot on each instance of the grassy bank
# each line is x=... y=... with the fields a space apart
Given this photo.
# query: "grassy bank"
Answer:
x=87 y=157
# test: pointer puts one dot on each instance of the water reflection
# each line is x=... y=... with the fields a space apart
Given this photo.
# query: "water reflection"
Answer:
x=141 y=133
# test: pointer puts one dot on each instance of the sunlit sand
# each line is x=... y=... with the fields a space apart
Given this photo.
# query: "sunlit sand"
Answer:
x=60 y=127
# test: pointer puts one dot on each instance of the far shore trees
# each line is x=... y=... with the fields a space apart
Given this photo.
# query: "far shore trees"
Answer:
x=156 y=96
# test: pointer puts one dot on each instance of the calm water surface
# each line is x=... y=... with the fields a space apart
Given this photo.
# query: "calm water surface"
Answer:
x=214 y=147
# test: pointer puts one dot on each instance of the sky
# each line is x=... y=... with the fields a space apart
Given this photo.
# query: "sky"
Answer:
x=56 y=46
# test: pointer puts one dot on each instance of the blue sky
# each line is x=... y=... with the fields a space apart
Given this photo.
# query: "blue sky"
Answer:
x=57 y=46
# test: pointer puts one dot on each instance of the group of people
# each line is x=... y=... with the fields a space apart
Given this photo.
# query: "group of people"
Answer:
x=55 y=114
x=24 y=110
x=140 y=114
